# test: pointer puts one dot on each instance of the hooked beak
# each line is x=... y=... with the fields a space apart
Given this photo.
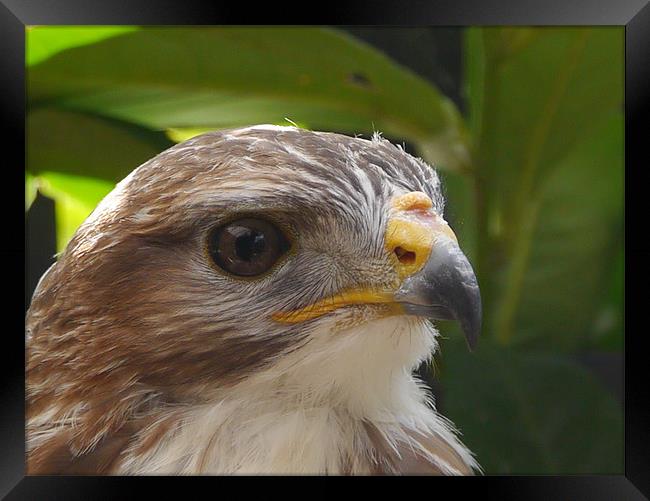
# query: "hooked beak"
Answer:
x=435 y=278
x=445 y=288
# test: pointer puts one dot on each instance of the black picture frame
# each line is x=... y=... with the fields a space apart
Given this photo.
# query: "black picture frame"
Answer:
x=634 y=15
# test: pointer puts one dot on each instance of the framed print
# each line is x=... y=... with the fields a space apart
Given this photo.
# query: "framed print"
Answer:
x=392 y=243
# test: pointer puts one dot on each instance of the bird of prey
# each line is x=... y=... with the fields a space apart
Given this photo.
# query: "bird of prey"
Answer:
x=252 y=300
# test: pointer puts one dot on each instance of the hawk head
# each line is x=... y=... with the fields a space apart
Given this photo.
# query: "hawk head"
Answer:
x=268 y=266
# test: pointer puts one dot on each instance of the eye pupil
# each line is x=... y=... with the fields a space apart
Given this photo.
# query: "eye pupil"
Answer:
x=250 y=245
x=247 y=247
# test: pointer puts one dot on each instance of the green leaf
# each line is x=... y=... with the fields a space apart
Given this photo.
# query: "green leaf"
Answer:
x=76 y=159
x=43 y=42
x=75 y=197
x=171 y=78
x=545 y=111
x=574 y=246
x=31 y=189
x=539 y=98
x=608 y=324
x=531 y=413
x=88 y=146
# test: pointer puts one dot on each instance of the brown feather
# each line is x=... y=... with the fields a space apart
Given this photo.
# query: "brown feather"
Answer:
x=55 y=456
x=415 y=463
x=409 y=461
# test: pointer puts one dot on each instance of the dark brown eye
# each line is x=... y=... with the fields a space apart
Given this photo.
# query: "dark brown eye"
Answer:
x=247 y=247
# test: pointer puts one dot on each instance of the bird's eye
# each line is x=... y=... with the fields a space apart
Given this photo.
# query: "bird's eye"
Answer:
x=247 y=247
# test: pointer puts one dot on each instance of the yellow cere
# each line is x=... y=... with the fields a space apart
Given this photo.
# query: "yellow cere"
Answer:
x=412 y=201
x=412 y=231
x=410 y=242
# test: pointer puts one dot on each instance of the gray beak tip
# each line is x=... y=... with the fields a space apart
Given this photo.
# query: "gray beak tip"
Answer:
x=470 y=317
x=446 y=289
x=472 y=331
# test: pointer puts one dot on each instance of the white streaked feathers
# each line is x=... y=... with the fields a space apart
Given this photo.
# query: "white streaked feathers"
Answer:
x=297 y=417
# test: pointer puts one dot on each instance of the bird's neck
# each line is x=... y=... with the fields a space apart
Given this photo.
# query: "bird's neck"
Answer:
x=318 y=410
x=267 y=430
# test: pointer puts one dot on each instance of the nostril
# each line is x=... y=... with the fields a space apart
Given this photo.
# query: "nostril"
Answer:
x=404 y=256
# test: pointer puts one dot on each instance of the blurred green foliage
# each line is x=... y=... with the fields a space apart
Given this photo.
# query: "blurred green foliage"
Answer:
x=533 y=176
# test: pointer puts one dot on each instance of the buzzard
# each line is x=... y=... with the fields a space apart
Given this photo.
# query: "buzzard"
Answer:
x=251 y=300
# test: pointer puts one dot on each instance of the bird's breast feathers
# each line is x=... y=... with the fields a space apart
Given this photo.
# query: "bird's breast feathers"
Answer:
x=371 y=417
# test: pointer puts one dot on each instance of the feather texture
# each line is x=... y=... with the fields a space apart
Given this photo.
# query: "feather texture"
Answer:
x=143 y=358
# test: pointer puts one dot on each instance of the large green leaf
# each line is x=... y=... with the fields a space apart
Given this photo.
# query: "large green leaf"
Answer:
x=565 y=292
x=45 y=41
x=76 y=159
x=531 y=413
x=541 y=91
x=171 y=78
x=609 y=322
x=31 y=189
x=89 y=146
x=545 y=112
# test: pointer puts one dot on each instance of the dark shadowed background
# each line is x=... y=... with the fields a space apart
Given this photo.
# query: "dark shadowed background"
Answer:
x=524 y=124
